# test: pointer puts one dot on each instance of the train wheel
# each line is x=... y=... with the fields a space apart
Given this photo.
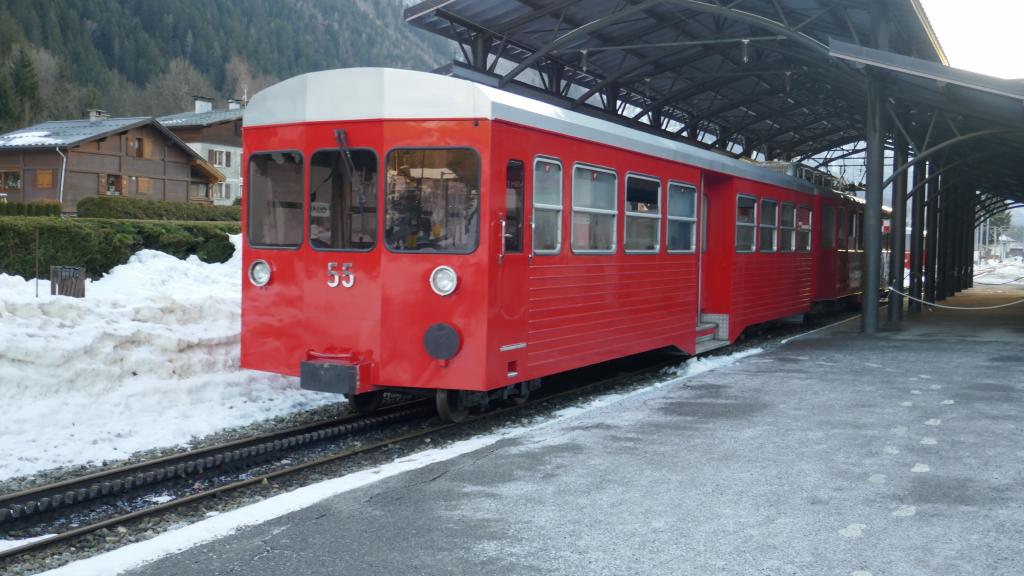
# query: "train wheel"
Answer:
x=366 y=403
x=519 y=397
x=451 y=406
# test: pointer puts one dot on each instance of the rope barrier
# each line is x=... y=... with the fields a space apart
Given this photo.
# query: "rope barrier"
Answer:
x=1007 y=305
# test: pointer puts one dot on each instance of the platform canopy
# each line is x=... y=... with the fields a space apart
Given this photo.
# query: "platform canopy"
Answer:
x=754 y=78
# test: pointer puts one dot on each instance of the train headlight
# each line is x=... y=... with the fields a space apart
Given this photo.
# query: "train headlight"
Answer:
x=443 y=280
x=259 y=273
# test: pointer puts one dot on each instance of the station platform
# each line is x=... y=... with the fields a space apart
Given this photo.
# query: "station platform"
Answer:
x=832 y=454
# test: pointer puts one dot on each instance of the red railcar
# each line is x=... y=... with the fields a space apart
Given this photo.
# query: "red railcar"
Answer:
x=408 y=231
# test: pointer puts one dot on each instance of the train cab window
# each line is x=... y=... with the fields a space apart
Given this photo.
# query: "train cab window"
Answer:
x=828 y=228
x=432 y=200
x=803 y=229
x=746 y=223
x=768 y=237
x=547 y=206
x=681 y=231
x=841 y=229
x=643 y=215
x=594 y=210
x=787 y=227
x=514 y=185
x=343 y=200
x=275 y=197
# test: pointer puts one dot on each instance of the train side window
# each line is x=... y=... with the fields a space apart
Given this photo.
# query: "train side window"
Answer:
x=787 y=228
x=547 y=206
x=343 y=200
x=841 y=229
x=643 y=215
x=514 y=184
x=275 y=199
x=746 y=223
x=769 y=236
x=682 y=217
x=852 y=230
x=804 y=221
x=828 y=228
x=594 y=210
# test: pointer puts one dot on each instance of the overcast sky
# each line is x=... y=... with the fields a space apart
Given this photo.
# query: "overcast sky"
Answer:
x=980 y=35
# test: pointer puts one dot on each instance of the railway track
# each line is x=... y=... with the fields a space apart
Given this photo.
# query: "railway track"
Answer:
x=25 y=505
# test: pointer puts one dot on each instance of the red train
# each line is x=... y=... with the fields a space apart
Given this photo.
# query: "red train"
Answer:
x=412 y=232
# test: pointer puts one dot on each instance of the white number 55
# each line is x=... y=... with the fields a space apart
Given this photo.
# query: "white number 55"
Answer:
x=347 y=278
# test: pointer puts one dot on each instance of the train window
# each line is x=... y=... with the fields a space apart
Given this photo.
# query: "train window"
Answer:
x=746 y=223
x=594 y=210
x=275 y=196
x=432 y=200
x=343 y=200
x=853 y=225
x=643 y=215
x=547 y=206
x=681 y=227
x=828 y=228
x=769 y=237
x=803 y=229
x=787 y=228
x=841 y=229
x=514 y=183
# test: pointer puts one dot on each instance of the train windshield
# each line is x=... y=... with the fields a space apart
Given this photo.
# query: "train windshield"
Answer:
x=432 y=200
x=343 y=200
x=275 y=199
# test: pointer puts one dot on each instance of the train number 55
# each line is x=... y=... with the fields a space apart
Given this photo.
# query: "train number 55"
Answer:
x=345 y=277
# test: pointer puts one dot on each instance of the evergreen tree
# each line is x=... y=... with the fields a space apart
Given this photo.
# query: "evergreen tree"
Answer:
x=26 y=87
x=8 y=105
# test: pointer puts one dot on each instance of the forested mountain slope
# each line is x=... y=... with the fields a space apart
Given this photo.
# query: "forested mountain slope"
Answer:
x=148 y=57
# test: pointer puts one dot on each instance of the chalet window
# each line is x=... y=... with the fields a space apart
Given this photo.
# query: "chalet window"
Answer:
x=803 y=229
x=746 y=223
x=142 y=148
x=682 y=217
x=198 y=190
x=343 y=200
x=143 y=185
x=643 y=215
x=547 y=206
x=787 y=227
x=515 y=175
x=44 y=179
x=112 y=184
x=769 y=226
x=275 y=199
x=594 y=210
x=10 y=181
x=216 y=157
x=227 y=159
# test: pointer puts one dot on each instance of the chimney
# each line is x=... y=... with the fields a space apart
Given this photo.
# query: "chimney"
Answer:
x=95 y=115
x=203 y=104
x=234 y=104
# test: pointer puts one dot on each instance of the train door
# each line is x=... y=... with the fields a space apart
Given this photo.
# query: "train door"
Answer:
x=512 y=271
x=702 y=248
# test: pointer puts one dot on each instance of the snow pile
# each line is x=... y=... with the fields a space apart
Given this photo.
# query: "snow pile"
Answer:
x=1001 y=273
x=148 y=358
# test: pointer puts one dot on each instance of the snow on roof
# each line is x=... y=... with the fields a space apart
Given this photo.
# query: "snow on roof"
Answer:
x=190 y=119
x=388 y=93
x=66 y=132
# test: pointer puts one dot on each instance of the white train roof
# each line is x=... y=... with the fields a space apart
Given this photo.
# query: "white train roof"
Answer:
x=388 y=93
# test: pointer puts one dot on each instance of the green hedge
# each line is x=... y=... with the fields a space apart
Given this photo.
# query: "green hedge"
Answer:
x=100 y=244
x=30 y=209
x=123 y=208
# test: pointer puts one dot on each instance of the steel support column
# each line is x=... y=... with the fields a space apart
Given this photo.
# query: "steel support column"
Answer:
x=944 y=205
x=872 y=229
x=917 y=238
x=898 y=229
x=932 y=232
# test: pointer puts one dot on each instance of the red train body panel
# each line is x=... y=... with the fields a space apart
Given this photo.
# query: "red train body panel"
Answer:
x=518 y=312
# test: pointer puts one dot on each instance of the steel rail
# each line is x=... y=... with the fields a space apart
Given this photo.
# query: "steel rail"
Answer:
x=74 y=491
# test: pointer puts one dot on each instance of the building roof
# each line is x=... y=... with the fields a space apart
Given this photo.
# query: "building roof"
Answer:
x=201 y=119
x=69 y=133
x=384 y=93
x=64 y=133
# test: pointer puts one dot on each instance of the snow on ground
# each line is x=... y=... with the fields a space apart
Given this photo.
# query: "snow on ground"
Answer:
x=993 y=272
x=149 y=358
x=140 y=553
